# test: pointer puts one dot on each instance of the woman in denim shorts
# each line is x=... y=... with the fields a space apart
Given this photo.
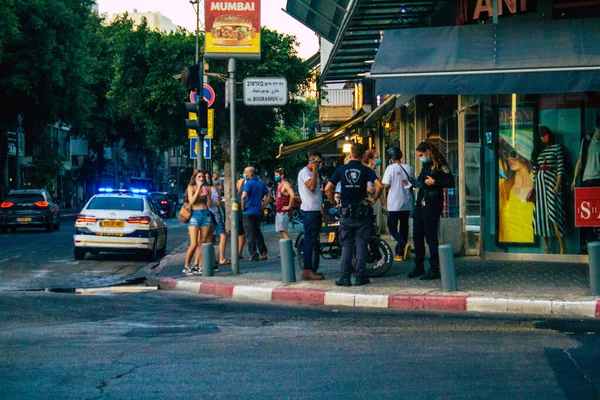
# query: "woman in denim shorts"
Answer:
x=200 y=224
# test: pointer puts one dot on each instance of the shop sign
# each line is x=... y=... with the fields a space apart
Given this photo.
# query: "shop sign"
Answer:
x=485 y=6
x=587 y=206
x=232 y=29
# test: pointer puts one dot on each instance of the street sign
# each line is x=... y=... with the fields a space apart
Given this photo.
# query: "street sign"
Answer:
x=208 y=94
x=194 y=150
x=265 y=91
x=587 y=206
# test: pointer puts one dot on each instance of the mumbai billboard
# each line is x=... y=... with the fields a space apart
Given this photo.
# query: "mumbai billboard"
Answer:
x=232 y=29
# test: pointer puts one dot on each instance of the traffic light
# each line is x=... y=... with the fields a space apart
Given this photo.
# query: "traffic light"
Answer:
x=200 y=111
x=191 y=77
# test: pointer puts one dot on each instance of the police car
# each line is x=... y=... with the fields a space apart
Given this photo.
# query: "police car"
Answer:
x=120 y=221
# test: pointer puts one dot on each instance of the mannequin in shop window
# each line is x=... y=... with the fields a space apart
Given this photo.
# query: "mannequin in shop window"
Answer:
x=588 y=167
x=548 y=176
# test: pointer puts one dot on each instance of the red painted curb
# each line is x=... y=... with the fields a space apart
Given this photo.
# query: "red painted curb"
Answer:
x=597 y=313
x=298 y=296
x=167 y=283
x=217 y=289
x=445 y=303
x=406 y=302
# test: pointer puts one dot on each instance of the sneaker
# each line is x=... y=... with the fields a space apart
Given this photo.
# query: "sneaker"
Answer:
x=398 y=258
x=196 y=270
x=407 y=252
x=361 y=280
x=345 y=281
x=431 y=275
x=263 y=257
x=253 y=259
x=187 y=271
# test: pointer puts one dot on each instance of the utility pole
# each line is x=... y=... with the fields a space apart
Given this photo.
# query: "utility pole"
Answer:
x=200 y=94
x=235 y=260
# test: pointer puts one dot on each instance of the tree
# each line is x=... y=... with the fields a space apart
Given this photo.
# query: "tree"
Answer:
x=45 y=61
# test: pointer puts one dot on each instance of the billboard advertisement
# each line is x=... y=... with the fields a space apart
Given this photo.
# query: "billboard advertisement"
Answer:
x=232 y=29
x=515 y=172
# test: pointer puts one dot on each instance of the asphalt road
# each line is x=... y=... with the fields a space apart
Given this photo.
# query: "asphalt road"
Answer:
x=169 y=345
x=35 y=259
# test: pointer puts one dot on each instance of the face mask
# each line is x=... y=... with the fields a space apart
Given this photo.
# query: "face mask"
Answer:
x=378 y=161
x=244 y=176
x=198 y=182
x=278 y=179
x=424 y=159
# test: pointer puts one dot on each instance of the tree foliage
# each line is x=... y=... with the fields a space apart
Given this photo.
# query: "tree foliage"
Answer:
x=113 y=82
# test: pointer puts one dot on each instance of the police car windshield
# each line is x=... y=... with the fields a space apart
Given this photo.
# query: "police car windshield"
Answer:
x=116 y=203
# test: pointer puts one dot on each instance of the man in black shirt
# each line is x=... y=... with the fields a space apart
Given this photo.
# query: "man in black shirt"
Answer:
x=356 y=212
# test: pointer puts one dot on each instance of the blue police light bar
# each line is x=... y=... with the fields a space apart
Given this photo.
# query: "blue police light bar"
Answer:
x=107 y=190
x=143 y=190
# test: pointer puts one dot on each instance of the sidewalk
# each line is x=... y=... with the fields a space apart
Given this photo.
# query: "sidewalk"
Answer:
x=484 y=285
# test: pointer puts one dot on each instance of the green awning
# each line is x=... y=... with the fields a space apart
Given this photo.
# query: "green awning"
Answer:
x=323 y=140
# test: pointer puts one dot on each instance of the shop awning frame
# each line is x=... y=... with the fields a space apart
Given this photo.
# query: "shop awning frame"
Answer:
x=323 y=140
x=385 y=107
x=557 y=56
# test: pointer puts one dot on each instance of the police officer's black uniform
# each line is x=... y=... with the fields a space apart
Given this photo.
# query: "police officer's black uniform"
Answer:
x=426 y=217
x=355 y=221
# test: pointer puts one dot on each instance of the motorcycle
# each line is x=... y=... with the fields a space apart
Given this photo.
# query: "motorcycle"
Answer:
x=379 y=254
x=269 y=213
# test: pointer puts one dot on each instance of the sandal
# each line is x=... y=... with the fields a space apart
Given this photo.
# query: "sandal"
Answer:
x=226 y=262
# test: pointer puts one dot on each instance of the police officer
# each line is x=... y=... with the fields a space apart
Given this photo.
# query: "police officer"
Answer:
x=435 y=175
x=356 y=213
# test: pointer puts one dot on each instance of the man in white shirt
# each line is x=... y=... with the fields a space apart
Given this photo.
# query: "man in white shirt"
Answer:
x=309 y=187
x=400 y=200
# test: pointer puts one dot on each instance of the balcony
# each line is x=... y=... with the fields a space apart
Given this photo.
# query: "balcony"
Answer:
x=336 y=107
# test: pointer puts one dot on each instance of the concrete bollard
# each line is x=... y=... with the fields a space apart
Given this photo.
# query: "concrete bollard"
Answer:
x=288 y=271
x=594 y=257
x=447 y=268
x=207 y=259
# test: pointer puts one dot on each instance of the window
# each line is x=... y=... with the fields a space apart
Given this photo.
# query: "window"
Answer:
x=116 y=203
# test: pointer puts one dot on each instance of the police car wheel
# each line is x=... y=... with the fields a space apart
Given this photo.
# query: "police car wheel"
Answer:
x=379 y=257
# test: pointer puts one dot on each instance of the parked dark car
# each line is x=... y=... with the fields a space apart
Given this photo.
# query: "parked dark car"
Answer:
x=29 y=208
x=165 y=203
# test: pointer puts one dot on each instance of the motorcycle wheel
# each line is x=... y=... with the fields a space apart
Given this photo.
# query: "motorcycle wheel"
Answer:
x=300 y=255
x=379 y=257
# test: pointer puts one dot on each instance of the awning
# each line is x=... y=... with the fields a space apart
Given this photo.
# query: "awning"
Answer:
x=323 y=140
x=385 y=107
x=559 y=56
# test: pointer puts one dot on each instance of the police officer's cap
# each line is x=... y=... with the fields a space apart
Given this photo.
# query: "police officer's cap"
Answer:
x=395 y=153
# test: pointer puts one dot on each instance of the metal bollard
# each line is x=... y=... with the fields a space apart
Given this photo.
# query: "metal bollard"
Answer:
x=288 y=271
x=594 y=257
x=447 y=268
x=207 y=259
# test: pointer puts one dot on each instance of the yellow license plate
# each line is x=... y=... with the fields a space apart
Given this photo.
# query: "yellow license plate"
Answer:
x=331 y=237
x=110 y=223
x=23 y=219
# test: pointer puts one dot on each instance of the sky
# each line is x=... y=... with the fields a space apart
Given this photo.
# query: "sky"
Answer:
x=182 y=13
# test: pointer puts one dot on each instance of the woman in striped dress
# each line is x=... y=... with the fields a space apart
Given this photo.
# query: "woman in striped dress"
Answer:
x=548 y=174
